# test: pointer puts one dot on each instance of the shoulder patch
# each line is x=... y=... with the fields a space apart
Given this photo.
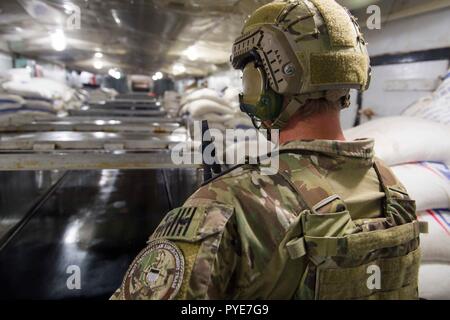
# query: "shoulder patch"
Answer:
x=155 y=274
x=179 y=223
x=192 y=223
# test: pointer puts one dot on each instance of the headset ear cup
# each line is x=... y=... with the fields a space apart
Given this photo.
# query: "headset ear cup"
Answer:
x=268 y=106
x=258 y=99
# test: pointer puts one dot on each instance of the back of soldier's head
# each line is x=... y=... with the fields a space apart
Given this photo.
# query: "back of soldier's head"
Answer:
x=295 y=52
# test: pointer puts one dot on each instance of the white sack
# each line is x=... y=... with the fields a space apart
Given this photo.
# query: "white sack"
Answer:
x=40 y=88
x=427 y=183
x=434 y=281
x=435 y=107
x=200 y=107
x=215 y=117
x=240 y=121
x=436 y=243
x=231 y=95
x=204 y=94
x=8 y=102
x=406 y=139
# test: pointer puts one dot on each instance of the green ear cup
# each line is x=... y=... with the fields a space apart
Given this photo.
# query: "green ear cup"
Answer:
x=258 y=99
x=268 y=106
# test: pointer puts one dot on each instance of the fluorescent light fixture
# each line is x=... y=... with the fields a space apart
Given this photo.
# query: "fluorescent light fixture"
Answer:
x=178 y=68
x=157 y=76
x=98 y=55
x=98 y=64
x=116 y=16
x=68 y=8
x=59 y=41
x=191 y=53
x=116 y=74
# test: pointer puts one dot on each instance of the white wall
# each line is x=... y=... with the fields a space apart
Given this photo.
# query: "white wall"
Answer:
x=422 y=32
x=395 y=87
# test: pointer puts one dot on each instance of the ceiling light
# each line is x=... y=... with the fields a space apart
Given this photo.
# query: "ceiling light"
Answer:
x=98 y=55
x=178 y=68
x=68 y=8
x=116 y=74
x=59 y=41
x=157 y=76
x=98 y=64
x=116 y=16
x=191 y=53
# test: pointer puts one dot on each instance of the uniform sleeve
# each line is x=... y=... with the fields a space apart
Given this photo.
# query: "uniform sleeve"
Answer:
x=192 y=254
x=221 y=266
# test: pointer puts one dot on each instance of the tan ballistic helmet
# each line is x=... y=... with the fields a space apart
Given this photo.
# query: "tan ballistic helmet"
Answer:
x=306 y=49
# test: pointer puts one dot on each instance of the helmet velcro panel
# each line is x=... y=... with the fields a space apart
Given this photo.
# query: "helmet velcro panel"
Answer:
x=339 y=24
x=343 y=68
x=267 y=14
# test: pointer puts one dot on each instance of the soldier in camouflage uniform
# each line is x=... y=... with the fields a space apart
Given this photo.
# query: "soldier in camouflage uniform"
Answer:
x=331 y=214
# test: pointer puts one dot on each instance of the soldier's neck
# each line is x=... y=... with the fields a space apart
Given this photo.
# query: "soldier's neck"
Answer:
x=323 y=126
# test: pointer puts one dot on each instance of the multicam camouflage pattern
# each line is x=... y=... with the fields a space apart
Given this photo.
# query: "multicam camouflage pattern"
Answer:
x=308 y=232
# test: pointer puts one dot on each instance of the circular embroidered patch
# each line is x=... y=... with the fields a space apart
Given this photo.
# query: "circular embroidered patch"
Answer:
x=156 y=273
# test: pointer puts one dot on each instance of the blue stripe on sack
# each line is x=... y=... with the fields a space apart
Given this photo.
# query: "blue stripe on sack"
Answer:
x=438 y=166
x=37 y=109
x=443 y=215
x=39 y=99
x=10 y=110
x=447 y=76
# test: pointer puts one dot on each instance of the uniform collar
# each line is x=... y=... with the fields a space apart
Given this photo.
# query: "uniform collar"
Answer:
x=360 y=148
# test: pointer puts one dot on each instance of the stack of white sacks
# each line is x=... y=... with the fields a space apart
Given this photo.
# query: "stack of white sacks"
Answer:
x=417 y=147
x=99 y=95
x=22 y=95
x=221 y=110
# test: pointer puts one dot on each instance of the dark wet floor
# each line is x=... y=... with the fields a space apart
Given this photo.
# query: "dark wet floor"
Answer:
x=95 y=220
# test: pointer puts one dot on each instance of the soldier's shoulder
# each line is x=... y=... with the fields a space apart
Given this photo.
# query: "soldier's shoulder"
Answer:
x=389 y=178
x=245 y=180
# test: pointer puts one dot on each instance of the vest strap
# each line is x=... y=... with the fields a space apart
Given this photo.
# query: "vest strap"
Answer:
x=296 y=248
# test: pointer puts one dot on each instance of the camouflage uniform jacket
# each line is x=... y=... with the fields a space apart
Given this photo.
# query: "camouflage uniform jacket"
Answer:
x=227 y=232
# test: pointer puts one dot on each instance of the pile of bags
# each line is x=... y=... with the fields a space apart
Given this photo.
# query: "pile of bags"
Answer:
x=9 y=102
x=221 y=110
x=99 y=95
x=434 y=107
x=15 y=109
x=40 y=95
x=417 y=147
